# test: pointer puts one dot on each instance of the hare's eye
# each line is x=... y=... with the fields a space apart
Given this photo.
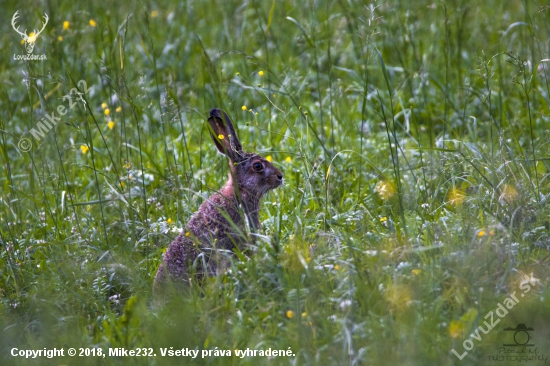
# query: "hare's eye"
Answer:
x=257 y=166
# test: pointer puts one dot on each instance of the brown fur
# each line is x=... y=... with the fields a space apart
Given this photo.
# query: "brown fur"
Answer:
x=219 y=224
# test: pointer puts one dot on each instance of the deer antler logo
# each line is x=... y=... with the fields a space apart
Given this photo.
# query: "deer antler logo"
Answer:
x=29 y=40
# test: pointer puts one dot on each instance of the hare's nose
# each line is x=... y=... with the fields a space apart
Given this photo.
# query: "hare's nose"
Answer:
x=280 y=176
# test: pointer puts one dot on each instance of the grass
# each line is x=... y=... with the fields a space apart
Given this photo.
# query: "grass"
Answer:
x=413 y=137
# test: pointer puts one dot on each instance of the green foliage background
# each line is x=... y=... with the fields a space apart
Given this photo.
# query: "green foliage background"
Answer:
x=413 y=137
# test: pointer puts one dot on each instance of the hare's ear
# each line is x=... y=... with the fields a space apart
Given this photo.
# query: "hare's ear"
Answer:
x=224 y=135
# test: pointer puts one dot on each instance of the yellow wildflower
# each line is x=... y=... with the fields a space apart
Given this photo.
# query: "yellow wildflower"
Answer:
x=65 y=25
x=103 y=105
x=93 y=23
x=304 y=314
x=220 y=136
x=399 y=296
x=269 y=158
x=243 y=108
x=509 y=193
x=288 y=159
x=492 y=232
x=385 y=190
x=456 y=328
x=119 y=109
x=261 y=73
x=154 y=14
x=481 y=233
x=290 y=314
x=107 y=111
x=84 y=148
x=169 y=221
x=59 y=38
x=416 y=272
x=32 y=37
x=111 y=124
x=187 y=233
x=456 y=196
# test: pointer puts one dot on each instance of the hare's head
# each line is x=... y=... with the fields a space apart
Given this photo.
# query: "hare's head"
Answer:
x=252 y=172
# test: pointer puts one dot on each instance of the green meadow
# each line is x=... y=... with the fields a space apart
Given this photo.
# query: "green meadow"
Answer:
x=414 y=141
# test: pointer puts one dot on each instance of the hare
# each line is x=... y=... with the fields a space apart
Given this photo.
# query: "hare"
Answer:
x=218 y=226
